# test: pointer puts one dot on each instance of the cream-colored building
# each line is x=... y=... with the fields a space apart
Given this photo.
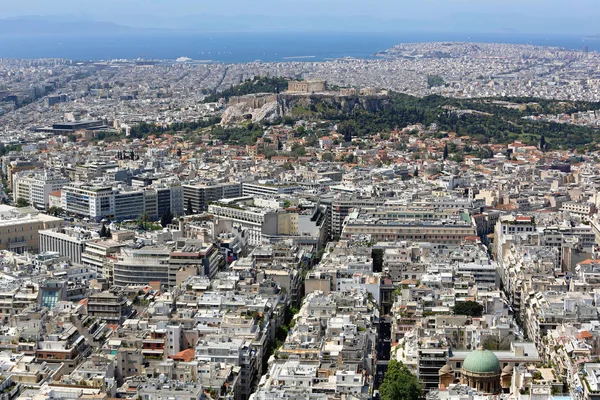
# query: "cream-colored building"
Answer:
x=19 y=228
x=287 y=224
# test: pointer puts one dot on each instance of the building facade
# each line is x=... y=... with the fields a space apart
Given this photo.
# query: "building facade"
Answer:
x=200 y=195
x=35 y=187
x=20 y=227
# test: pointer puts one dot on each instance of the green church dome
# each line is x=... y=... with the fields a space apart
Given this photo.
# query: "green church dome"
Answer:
x=482 y=362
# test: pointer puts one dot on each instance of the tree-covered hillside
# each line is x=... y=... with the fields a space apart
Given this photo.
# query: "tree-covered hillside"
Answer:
x=251 y=86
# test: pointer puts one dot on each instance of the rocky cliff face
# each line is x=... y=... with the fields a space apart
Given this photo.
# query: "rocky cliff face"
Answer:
x=318 y=104
x=306 y=106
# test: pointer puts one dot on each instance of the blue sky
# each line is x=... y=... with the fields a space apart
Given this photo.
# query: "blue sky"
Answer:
x=544 y=15
x=382 y=8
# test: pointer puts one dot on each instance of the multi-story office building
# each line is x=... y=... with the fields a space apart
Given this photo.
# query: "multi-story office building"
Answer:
x=340 y=208
x=574 y=207
x=507 y=228
x=35 y=187
x=200 y=195
x=167 y=265
x=194 y=258
x=87 y=172
x=129 y=204
x=97 y=202
x=447 y=232
x=66 y=241
x=19 y=228
x=159 y=200
x=256 y=221
x=110 y=306
x=96 y=256
x=142 y=266
x=267 y=190
x=429 y=361
x=235 y=351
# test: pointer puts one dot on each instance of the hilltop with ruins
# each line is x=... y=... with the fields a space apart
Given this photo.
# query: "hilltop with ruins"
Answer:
x=300 y=98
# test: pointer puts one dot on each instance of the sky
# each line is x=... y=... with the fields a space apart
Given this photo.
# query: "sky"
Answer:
x=381 y=8
x=520 y=15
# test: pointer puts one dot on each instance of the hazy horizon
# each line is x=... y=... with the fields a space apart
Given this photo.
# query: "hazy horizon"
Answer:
x=531 y=16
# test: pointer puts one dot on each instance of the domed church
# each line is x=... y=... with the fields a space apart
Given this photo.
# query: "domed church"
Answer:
x=480 y=370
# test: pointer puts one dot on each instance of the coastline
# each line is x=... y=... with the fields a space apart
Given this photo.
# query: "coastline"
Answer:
x=233 y=48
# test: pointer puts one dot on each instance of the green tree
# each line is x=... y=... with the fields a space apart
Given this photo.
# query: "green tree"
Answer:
x=434 y=80
x=327 y=157
x=55 y=211
x=143 y=221
x=458 y=158
x=179 y=153
x=312 y=141
x=542 y=143
x=105 y=231
x=470 y=308
x=445 y=151
x=399 y=383
x=72 y=138
x=298 y=150
x=166 y=218
x=258 y=84
x=348 y=129
x=21 y=202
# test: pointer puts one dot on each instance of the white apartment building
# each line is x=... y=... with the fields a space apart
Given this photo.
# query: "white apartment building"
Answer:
x=36 y=186
x=256 y=221
x=95 y=202
x=96 y=256
x=583 y=209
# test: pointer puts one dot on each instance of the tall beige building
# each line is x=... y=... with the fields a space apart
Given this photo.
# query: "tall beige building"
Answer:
x=19 y=228
x=287 y=223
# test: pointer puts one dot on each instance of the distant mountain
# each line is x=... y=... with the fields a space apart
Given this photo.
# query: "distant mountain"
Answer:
x=458 y=23
x=507 y=23
x=36 y=26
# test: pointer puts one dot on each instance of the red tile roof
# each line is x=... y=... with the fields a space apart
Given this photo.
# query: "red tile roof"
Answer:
x=185 y=355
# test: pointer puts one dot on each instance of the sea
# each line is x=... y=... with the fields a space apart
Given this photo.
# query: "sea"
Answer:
x=242 y=47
